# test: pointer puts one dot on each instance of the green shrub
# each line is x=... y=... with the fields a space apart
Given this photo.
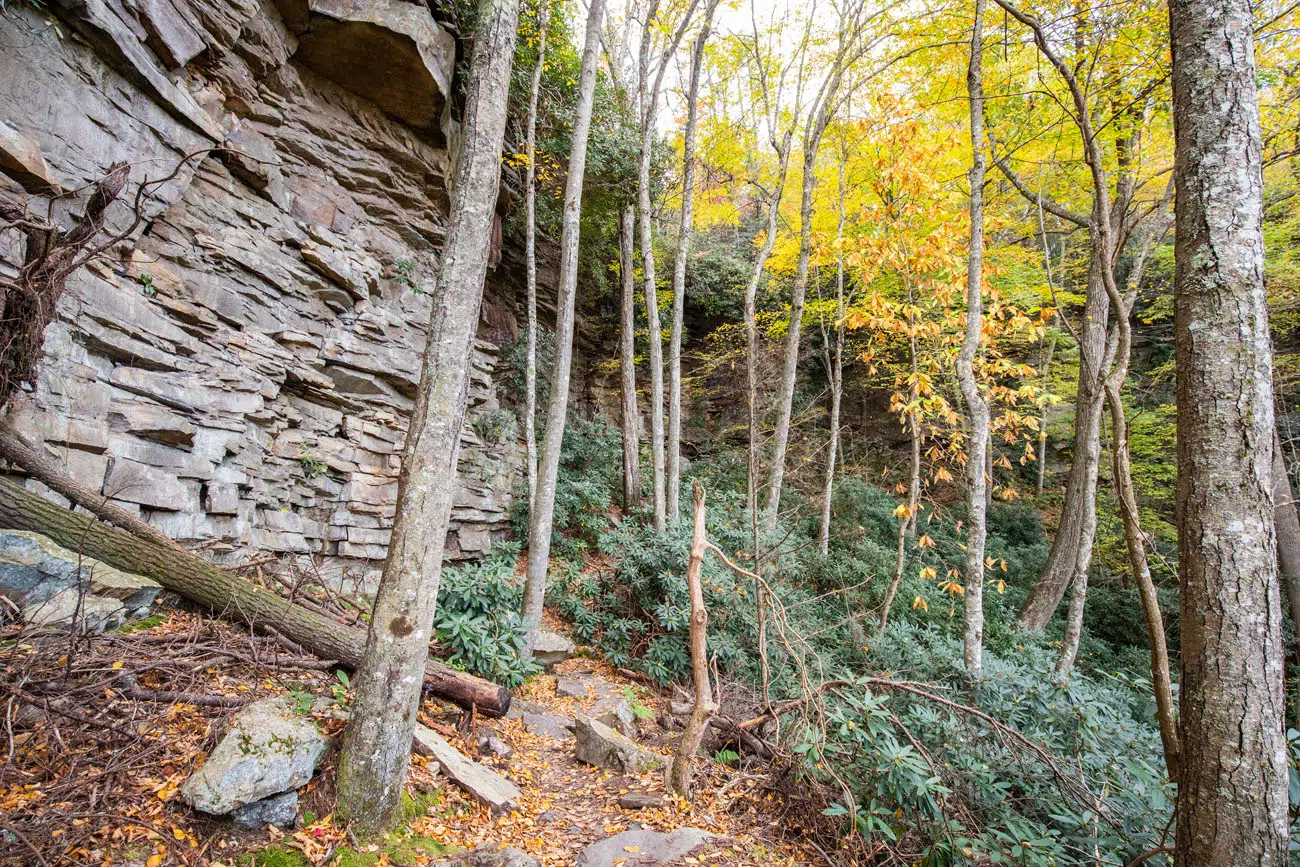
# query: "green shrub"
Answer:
x=478 y=617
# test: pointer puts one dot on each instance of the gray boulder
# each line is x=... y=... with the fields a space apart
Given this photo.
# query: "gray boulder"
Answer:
x=571 y=687
x=491 y=855
x=650 y=847
x=552 y=648
x=495 y=746
x=279 y=810
x=45 y=579
x=549 y=725
x=269 y=749
x=616 y=712
x=640 y=801
x=598 y=744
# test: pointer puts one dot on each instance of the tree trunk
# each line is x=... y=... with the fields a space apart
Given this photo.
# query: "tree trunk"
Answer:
x=1042 y=422
x=627 y=363
x=1078 y=513
x=977 y=407
x=679 y=775
x=1288 y=535
x=649 y=100
x=1232 y=787
x=543 y=514
x=679 y=271
x=377 y=743
x=530 y=259
x=836 y=375
x=908 y=527
x=114 y=539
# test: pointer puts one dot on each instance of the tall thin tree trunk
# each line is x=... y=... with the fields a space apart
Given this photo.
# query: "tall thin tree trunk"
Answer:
x=627 y=362
x=1232 y=784
x=783 y=149
x=377 y=743
x=908 y=527
x=530 y=257
x=1078 y=513
x=1042 y=422
x=977 y=407
x=542 y=518
x=836 y=375
x=674 y=455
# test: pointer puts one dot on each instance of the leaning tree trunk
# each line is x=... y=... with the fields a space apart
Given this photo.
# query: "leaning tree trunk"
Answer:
x=530 y=258
x=977 y=407
x=627 y=362
x=118 y=540
x=679 y=272
x=1079 y=510
x=543 y=514
x=679 y=774
x=377 y=743
x=1232 y=786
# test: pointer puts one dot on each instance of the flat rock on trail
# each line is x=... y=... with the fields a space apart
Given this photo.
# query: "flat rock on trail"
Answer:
x=566 y=806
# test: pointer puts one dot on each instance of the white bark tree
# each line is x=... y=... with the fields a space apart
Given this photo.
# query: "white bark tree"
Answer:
x=977 y=408
x=674 y=445
x=541 y=519
x=530 y=255
x=377 y=743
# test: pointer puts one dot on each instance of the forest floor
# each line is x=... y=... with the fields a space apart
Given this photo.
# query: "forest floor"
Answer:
x=92 y=773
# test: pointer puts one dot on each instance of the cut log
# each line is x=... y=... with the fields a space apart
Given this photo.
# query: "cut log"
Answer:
x=227 y=595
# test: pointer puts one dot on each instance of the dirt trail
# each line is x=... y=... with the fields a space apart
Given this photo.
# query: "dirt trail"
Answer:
x=568 y=805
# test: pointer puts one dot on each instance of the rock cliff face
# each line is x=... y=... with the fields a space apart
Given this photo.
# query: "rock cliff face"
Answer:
x=239 y=368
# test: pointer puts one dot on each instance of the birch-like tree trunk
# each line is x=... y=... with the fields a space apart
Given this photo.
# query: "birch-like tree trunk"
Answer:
x=541 y=519
x=1288 y=534
x=1232 y=784
x=977 y=408
x=377 y=743
x=836 y=374
x=530 y=257
x=674 y=446
x=631 y=421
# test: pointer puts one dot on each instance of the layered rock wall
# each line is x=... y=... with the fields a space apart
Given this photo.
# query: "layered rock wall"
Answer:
x=240 y=367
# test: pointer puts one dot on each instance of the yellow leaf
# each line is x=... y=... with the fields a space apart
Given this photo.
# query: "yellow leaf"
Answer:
x=632 y=849
x=153 y=861
x=918 y=602
x=119 y=664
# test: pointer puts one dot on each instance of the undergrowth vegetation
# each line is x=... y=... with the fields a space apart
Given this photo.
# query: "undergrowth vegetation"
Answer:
x=924 y=775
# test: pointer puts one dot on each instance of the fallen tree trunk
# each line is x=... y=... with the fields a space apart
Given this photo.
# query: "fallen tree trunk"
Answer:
x=186 y=573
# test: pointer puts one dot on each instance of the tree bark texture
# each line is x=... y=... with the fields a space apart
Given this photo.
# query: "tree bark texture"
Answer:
x=530 y=258
x=377 y=742
x=679 y=774
x=674 y=445
x=1232 y=787
x=627 y=361
x=977 y=408
x=543 y=514
x=114 y=540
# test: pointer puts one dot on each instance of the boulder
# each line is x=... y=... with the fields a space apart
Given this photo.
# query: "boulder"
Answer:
x=551 y=648
x=495 y=746
x=69 y=609
x=492 y=855
x=599 y=745
x=549 y=725
x=642 y=846
x=268 y=750
x=279 y=810
x=616 y=712
x=481 y=782
x=571 y=687
x=45 y=579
